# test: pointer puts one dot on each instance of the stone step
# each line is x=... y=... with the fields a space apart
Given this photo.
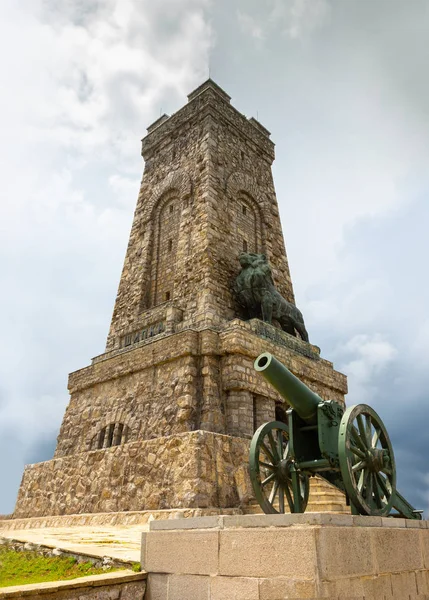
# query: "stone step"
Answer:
x=323 y=497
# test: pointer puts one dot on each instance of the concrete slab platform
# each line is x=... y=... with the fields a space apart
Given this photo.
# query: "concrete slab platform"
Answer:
x=117 y=542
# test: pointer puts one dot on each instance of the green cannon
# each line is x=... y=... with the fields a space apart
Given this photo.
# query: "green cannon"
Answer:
x=350 y=448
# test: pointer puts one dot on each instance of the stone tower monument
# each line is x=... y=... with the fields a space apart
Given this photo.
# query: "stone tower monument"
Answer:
x=162 y=419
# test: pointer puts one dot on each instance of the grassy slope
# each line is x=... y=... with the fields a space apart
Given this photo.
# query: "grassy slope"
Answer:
x=19 y=568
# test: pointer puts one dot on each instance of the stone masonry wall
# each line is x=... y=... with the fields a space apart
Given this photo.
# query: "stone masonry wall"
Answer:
x=214 y=166
x=192 y=470
x=184 y=382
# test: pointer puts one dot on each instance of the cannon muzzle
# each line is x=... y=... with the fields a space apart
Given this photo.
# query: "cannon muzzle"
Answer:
x=296 y=393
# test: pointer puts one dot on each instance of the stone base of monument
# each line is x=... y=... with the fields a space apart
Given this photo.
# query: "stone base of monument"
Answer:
x=193 y=470
x=271 y=557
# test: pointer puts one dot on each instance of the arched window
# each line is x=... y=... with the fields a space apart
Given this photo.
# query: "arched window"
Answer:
x=166 y=229
x=113 y=434
x=245 y=225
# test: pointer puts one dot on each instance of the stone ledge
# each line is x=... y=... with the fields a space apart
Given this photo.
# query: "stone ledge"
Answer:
x=125 y=518
x=285 y=520
x=109 y=579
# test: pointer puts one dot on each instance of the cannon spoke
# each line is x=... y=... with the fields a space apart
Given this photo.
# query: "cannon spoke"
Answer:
x=273 y=492
x=368 y=430
x=377 y=496
x=368 y=488
x=358 y=439
x=357 y=452
x=382 y=484
x=266 y=465
x=267 y=452
x=361 y=479
x=288 y=496
x=362 y=431
x=376 y=438
x=359 y=465
x=273 y=447
x=268 y=479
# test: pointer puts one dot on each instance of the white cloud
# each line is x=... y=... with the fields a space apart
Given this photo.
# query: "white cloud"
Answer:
x=296 y=19
x=81 y=82
x=364 y=356
x=250 y=25
x=299 y=18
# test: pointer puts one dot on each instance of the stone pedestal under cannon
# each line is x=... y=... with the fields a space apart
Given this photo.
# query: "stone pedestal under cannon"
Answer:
x=274 y=557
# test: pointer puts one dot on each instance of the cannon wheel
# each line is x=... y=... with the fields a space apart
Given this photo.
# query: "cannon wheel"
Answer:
x=270 y=471
x=366 y=460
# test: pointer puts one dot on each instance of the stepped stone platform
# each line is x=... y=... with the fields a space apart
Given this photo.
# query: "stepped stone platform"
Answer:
x=274 y=557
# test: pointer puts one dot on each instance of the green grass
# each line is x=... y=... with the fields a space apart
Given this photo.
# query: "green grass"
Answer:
x=19 y=568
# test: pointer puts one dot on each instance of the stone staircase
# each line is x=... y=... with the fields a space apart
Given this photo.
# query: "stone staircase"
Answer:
x=324 y=497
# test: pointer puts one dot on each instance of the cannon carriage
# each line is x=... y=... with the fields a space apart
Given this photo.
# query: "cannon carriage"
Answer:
x=350 y=448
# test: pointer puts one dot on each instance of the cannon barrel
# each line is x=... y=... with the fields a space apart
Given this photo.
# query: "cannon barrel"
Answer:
x=296 y=393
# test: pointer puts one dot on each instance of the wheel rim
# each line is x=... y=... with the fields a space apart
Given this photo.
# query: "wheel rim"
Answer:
x=366 y=460
x=270 y=473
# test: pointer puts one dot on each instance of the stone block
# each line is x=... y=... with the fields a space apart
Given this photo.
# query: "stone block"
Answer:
x=391 y=522
x=424 y=537
x=415 y=524
x=422 y=582
x=285 y=587
x=378 y=587
x=397 y=550
x=344 y=552
x=157 y=587
x=336 y=520
x=342 y=588
x=234 y=588
x=403 y=584
x=143 y=550
x=244 y=521
x=132 y=591
x=188 y=552
x=268 y=553
x=188 y=523
x=366 y=521
x=188 y=587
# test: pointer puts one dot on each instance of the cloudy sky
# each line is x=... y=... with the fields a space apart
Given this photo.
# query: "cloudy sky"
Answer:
x=342 y=85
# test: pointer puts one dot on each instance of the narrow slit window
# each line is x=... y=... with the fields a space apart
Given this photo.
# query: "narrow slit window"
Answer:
x=170 y=245
x=244 y=246
x=113 y=434
x=167 y=295
x=244 y=210
x=110 y=438
x=101 y=435
x=118 y=434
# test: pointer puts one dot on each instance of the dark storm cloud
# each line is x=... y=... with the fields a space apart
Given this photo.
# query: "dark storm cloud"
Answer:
x=342 y=85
